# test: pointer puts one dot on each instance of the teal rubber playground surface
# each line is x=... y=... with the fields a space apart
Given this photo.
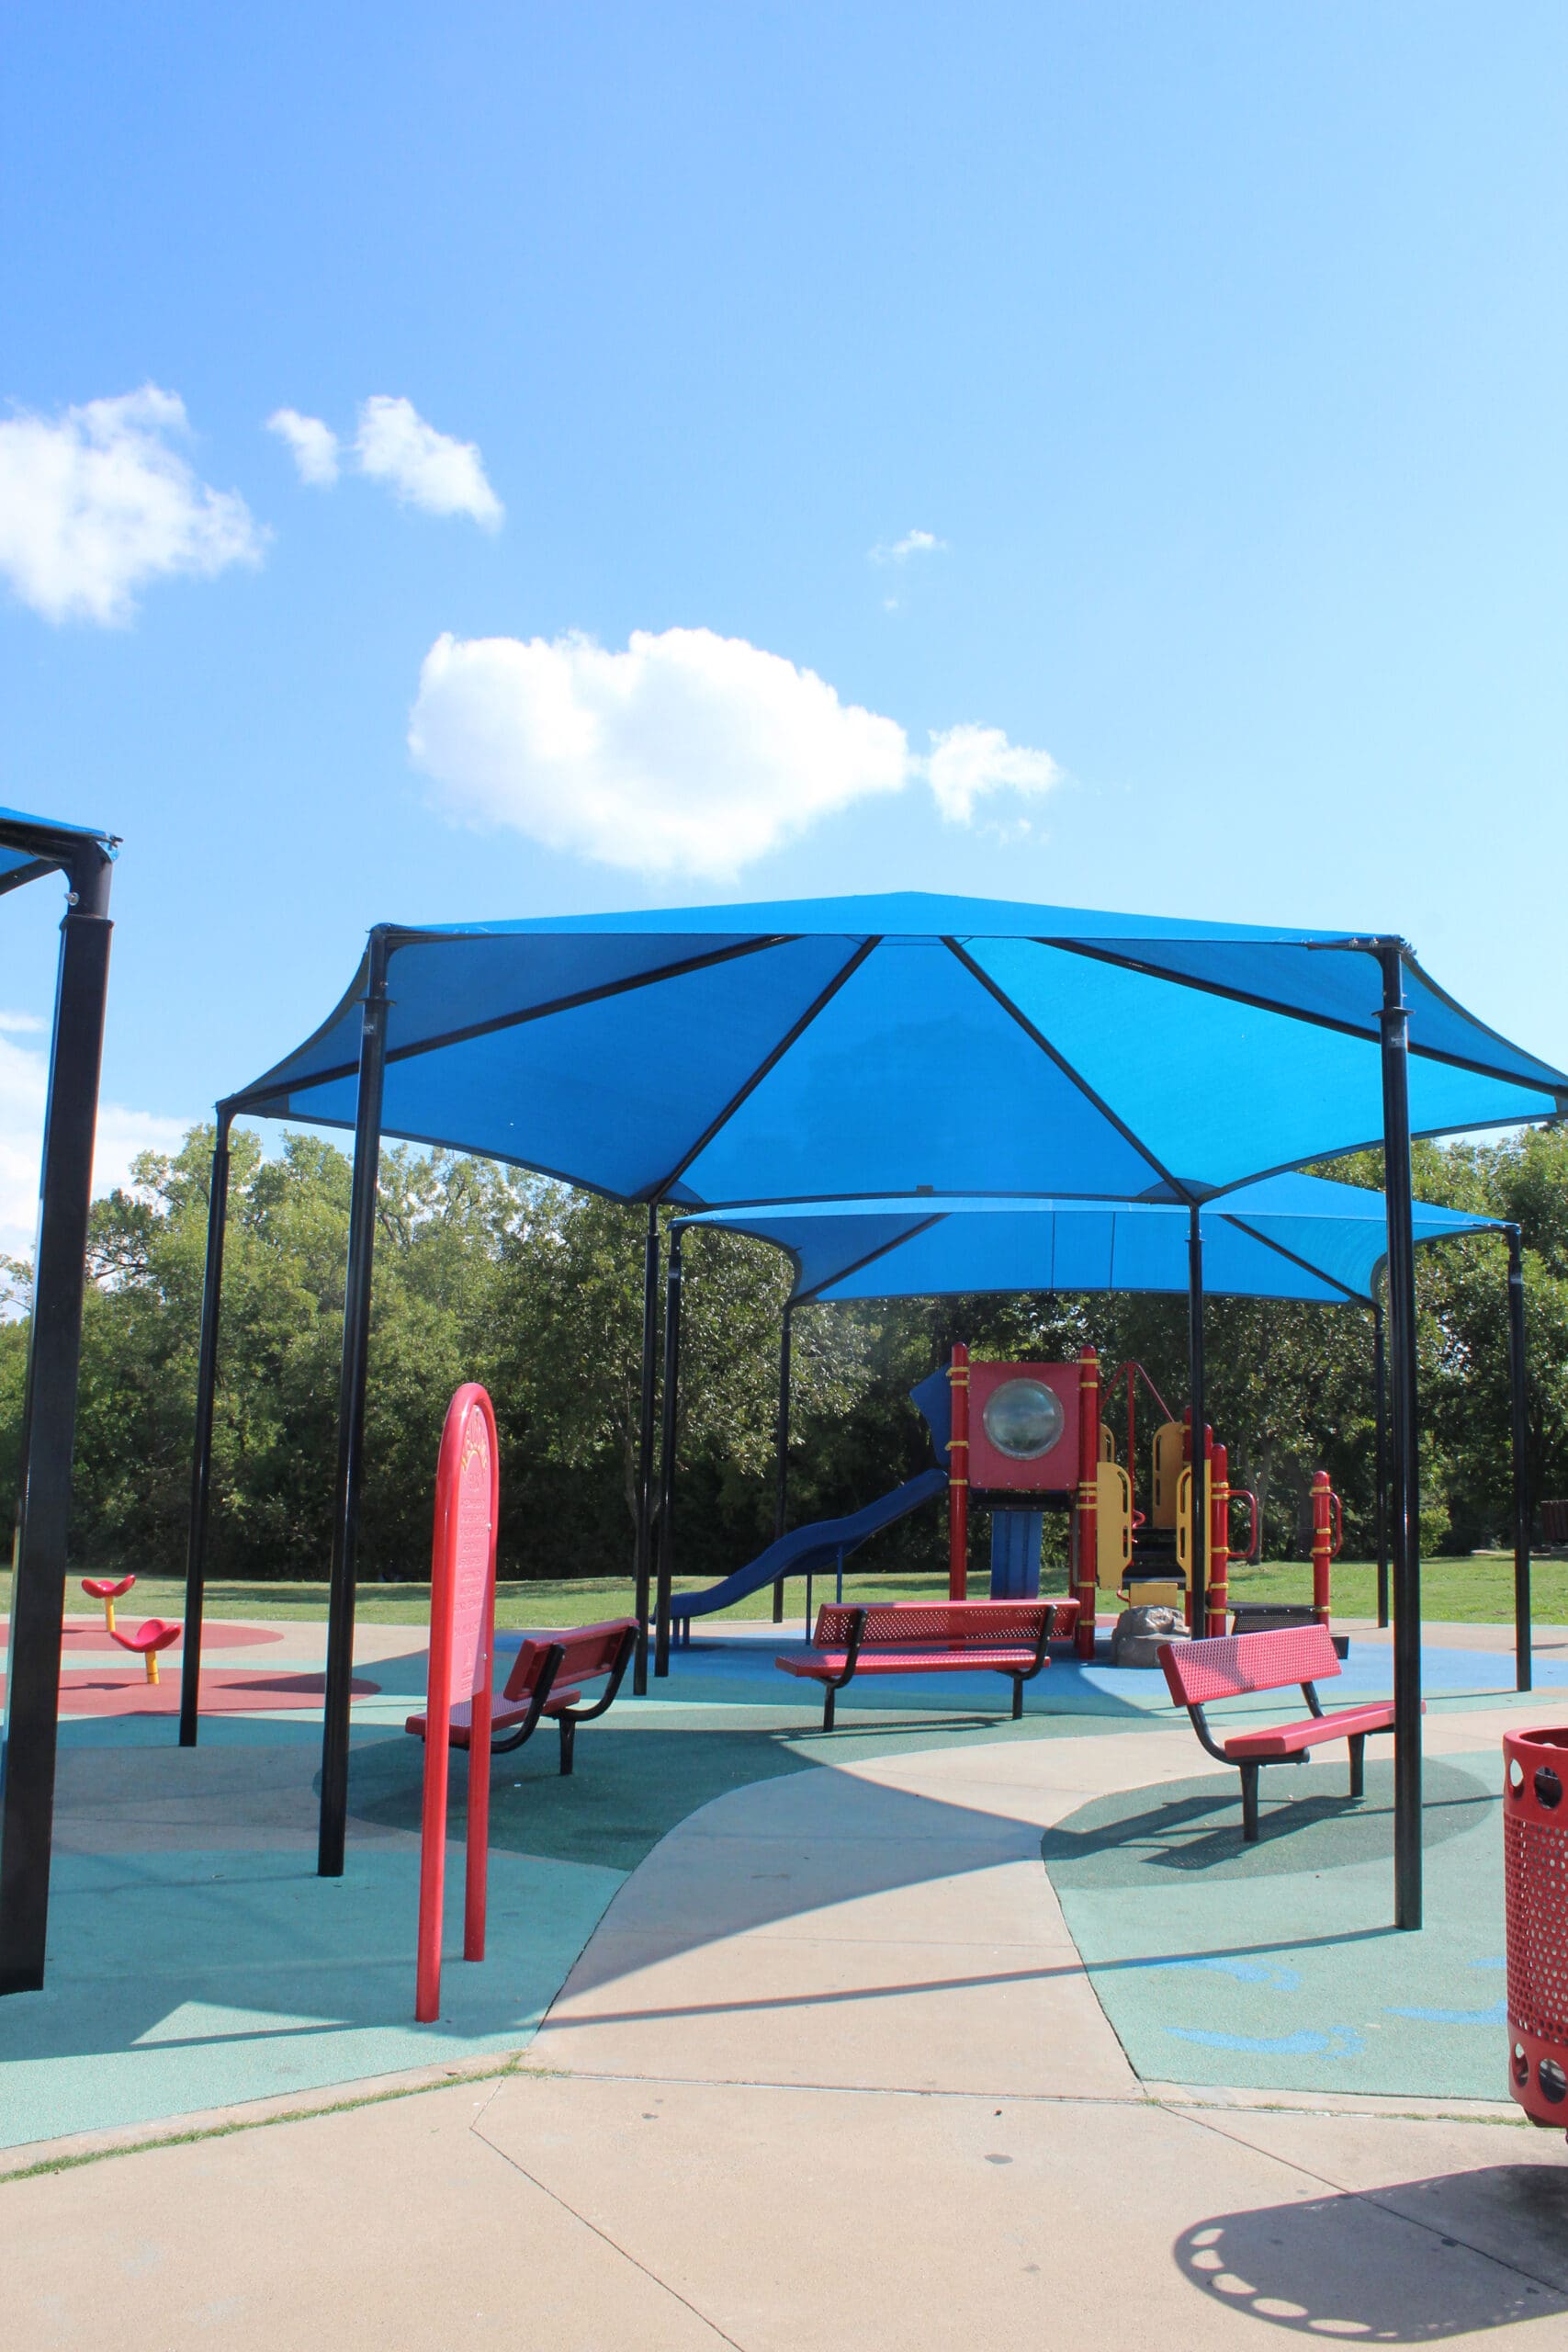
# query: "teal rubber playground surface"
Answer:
x=197 y=1961
x=1273 y=1966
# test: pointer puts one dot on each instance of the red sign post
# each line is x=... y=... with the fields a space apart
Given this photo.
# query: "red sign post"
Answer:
x=462 y=1644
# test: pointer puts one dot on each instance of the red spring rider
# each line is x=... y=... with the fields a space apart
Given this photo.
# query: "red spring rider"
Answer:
x=108 y=1590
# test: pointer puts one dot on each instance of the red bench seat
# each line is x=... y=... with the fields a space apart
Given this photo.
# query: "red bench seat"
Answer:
x=1290 y=1740
x=503 y=1715
x=822 y=1666
x=1235 y=1664
x=1007 y=1637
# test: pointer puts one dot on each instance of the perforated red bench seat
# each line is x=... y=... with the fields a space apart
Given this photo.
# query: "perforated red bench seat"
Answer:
x=1289 y=1739
x=1008 y=1637
x=503 y=1715
x=1235 y=1664
x=823 y=1666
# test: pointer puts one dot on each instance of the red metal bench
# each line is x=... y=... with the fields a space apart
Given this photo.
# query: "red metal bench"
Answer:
x=1237 y=1664
x=1006 y=1638
x=546 y=1679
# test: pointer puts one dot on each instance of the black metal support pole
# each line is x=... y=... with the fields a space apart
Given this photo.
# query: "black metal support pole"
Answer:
x=1198 y=1580
x=1379 y=1457
x=643 y=1557
x=49 y=1425
x=201 y=1464
x=667 y=1442
x=780 y=1447
x=1404 y=1491
x=1523 y=1637
x=373 y=1017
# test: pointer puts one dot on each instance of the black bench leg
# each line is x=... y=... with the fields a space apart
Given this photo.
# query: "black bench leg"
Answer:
x=1017 y=1697
x=1357 y=1747
x=1249 y=1803
x=828 y=1698
x=567 y=1743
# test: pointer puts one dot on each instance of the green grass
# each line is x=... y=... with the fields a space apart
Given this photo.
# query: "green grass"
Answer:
x=1475 y=1590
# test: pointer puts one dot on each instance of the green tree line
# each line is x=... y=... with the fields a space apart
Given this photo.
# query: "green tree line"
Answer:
x=483 y=1273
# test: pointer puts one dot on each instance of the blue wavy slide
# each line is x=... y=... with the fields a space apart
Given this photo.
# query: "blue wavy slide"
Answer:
x=806 y=1549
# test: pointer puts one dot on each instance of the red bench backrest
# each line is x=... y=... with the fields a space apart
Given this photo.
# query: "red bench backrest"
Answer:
x=1236 y=1663
x=946 y=1625
x=591 y=1650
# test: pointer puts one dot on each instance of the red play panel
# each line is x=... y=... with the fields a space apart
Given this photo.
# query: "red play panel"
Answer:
x=94 y=1637
x=225 y=1690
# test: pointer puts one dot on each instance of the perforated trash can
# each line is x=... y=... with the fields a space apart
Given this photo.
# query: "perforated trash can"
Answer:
x=1535 y=1870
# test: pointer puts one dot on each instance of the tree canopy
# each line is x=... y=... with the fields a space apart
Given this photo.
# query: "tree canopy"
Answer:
x=485 y=1273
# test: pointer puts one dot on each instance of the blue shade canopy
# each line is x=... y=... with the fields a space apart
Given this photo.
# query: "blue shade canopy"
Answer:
x=852 y=1049
x=1288 y=1236
x=31 y=846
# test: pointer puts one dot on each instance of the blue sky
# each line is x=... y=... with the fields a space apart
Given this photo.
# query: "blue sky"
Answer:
x=1219 y=349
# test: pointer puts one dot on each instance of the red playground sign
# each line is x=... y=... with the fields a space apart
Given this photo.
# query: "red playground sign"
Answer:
x=462 y=1643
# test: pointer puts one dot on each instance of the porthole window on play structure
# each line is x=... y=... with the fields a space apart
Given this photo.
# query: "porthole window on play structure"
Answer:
x=1023 y=1420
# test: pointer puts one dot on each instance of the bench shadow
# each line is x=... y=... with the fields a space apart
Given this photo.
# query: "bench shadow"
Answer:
x=1418 y=2262
x=1195 y=1826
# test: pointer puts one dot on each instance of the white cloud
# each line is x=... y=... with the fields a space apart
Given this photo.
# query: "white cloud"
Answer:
x=689 y=752
x=313 y=444
x=912 y=543
x=97 y=501
x=424 y=468
x=967 y=763
x=24 y=1086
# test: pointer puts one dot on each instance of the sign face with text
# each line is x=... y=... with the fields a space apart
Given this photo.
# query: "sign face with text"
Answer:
x=471 y=1546
x=462 y=1643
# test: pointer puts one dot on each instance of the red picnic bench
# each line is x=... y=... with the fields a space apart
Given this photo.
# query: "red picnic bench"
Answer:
x=547 y=1678
x=1236 y=1664
x=1007 y=1637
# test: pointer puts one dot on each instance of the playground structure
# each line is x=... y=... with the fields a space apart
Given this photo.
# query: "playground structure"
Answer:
x=1039 y=1429
x=1022 y=1440
x=1292 y=1237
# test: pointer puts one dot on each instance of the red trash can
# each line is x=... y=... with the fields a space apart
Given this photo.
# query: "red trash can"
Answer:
x=1535 y=1874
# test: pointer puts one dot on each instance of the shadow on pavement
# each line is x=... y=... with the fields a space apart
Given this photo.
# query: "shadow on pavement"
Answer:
x=1419 y=2262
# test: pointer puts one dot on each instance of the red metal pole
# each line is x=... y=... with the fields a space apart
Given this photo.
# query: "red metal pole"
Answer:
x=1087 y=1531
x=1219 y=1539
x=433 y=1816
x=477 y=1875
x=958 y=1478
x=1322 y=1541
